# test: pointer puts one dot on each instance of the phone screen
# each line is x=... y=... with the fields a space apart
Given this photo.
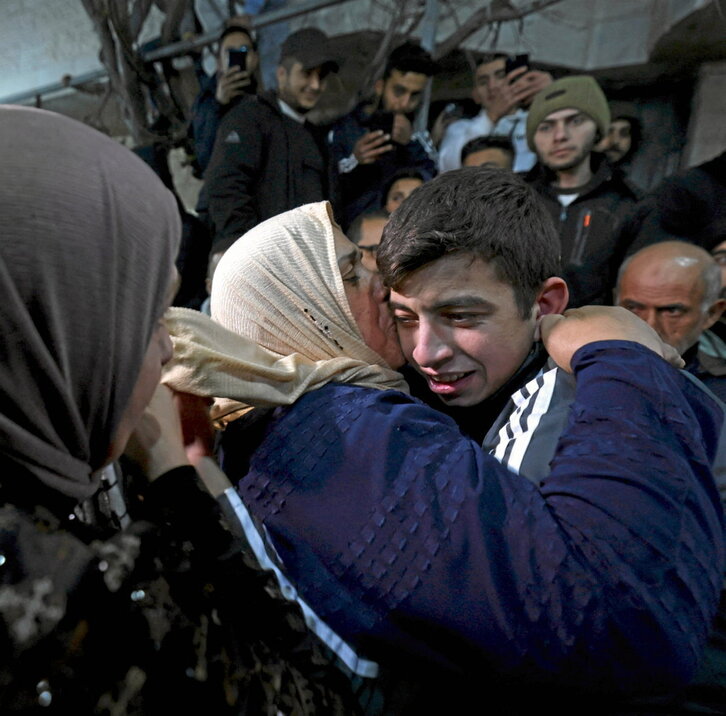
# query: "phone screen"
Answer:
x=237 y=58
x=513 y=63
x=381 y=120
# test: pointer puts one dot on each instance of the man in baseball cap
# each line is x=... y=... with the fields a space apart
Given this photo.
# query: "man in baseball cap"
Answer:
x=311 y=48
x=588 y=199
x=267 y=157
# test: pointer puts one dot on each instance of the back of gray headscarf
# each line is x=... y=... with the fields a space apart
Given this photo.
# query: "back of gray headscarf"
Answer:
x=88 y=236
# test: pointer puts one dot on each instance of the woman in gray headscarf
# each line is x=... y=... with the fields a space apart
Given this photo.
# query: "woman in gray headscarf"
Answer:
x=88 y=621
x=88 y=237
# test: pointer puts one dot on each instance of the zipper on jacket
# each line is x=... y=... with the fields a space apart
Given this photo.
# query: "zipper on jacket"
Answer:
x=583 y=229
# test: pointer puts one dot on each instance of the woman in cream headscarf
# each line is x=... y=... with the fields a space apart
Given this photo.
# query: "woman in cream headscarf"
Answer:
x=405 y=544
x=293 y=310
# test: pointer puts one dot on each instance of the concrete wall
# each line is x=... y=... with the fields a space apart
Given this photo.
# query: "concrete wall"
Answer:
x=43 y=40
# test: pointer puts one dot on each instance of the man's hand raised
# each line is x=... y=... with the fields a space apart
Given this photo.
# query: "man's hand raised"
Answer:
x=519 y=88
x=564 y=335
x=231 y=83
x=371 y=145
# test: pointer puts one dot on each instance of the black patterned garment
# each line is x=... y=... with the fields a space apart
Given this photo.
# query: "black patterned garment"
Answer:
x=171 y=614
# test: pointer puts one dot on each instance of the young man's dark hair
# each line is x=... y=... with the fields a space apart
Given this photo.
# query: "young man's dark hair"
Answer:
x=355 y=231
x=478 y=144
x=235 y=29
x=311 y=48
x=489 y=213
x=636 y=129
x=488 y=57
x=410 y=57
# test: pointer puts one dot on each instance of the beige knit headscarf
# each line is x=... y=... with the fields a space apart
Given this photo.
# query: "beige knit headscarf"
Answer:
x=281 y=324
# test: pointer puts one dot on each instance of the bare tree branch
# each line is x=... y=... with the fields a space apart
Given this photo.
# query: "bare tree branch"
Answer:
x=118 y=24
x=414 y=21
x=175 y=11
x=384 y=49
x=139 y=13
x=94 y=118
x=497 y=11
x=112 y=25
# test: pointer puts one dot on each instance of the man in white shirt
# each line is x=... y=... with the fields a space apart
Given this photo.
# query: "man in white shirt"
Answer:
x=503 y=98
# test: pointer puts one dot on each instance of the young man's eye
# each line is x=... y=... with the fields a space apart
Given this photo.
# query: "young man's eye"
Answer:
x=348 y=270
x=460 y=317
x=404 y=320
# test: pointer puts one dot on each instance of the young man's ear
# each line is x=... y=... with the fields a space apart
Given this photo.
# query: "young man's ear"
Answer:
x=552 y=296
x=281 y=75
x=378 y=87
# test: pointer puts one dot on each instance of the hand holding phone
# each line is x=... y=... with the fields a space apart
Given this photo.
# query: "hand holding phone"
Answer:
x=371 y=145
x=527 y=85
x=234 y=80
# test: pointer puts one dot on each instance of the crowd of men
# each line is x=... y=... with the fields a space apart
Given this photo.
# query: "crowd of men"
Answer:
x=260 y=156
x=433 y=489
x=550 y=533
x=650 y=255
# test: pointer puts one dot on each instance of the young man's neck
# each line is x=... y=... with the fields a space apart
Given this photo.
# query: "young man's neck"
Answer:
x=575 y=176
x=494 y=117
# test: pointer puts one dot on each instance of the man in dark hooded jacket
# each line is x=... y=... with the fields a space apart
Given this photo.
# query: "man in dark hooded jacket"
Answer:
x=589 y=200
x=267 y=157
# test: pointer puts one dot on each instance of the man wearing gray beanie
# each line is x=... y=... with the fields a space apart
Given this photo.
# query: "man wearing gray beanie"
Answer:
x=589 y=200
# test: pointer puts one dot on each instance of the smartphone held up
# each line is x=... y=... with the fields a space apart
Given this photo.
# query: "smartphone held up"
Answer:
x=237 y=57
